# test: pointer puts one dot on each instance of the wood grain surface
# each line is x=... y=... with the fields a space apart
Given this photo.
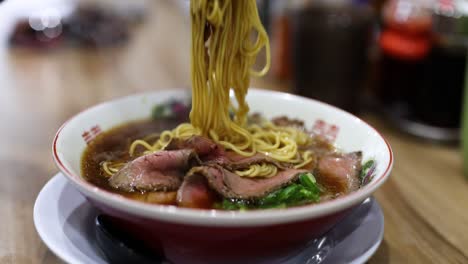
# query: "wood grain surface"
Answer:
x=425 y=201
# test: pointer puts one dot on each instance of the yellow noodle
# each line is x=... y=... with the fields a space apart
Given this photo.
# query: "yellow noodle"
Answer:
x=110 y=167
x=139 y=142
x=306 y=157
x=258 y=170
x=151 y=137
x=227 y=36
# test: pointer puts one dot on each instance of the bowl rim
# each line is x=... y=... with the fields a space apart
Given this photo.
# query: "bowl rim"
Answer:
x=211 y=217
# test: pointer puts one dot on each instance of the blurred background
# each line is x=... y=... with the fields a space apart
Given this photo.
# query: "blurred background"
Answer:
x=402 y=60
x=399 y=64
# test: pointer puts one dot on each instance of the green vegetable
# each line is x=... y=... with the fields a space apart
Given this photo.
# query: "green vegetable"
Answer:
x=234 y=204
x=288 y=192
x=364 y=176
x=161 y=111
x=368 y=165
x=305 y=191
x=308 y=180
x=271 y=198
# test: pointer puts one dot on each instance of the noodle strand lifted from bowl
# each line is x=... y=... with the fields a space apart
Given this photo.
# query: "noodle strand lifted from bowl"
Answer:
x=227 y=36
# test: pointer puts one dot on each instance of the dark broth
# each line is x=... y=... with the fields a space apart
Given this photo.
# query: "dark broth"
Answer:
x=113 y=145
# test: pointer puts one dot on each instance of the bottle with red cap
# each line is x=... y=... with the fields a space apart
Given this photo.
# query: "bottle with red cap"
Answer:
x=422 y=68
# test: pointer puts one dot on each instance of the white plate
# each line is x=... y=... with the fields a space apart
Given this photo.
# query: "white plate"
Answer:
x=65 y=222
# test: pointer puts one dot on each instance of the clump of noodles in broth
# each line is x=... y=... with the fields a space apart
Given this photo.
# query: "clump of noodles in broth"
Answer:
x=227 y=36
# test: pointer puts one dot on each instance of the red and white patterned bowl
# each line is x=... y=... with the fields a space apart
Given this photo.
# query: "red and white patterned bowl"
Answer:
x=204 y=236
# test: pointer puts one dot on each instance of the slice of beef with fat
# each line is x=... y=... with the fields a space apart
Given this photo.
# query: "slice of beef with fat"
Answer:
x=340 y=172
x=159 y=171
x=233 y=161
x=195 y=193
x=212 y=153
x=231 y=185
x=204 y=147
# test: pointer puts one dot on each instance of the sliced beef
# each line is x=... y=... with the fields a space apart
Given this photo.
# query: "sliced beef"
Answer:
x=319 y=146
x=231 y=185
x=164 y=170
x=211 y=153
x=255 y=118
x=340 y=172
x=201 y=145
x=285 y=121
x=160 y=171
x=195 y=193
x=233 y=161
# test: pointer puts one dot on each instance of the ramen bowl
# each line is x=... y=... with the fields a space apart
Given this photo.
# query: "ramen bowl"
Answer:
x=213 y=236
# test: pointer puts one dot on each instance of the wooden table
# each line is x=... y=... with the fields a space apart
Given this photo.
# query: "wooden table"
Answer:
x=425 y=201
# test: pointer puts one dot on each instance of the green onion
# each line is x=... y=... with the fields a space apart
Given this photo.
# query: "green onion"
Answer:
x=305 y=191
x=161 y=111
x=288 y=192
x=365 y=171
x=234 y=204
